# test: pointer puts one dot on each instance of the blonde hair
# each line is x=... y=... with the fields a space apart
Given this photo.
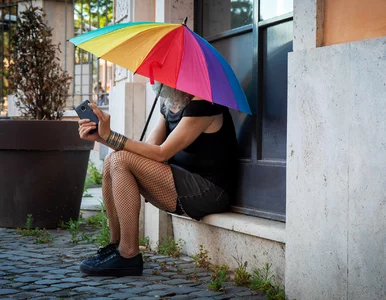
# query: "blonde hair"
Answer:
x=172 y=98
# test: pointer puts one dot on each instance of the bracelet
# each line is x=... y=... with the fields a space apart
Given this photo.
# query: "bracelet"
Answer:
x=116 y=140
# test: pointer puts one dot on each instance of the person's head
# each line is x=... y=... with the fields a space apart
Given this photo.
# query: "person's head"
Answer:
x=172 y=97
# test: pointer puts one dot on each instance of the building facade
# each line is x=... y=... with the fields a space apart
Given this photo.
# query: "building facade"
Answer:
x=312 y=190
x=312 y=178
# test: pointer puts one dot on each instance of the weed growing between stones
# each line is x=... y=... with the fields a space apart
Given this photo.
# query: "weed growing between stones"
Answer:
x=241 y=275
x=263 y=281
x=144 y=242
x=167 y=246
x=94 y=178
x=100 y=222
x=202 y=259
x=218 y=277
x=42 y=236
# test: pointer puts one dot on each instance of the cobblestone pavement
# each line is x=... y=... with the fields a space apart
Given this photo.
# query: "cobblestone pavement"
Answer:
x=41 y=271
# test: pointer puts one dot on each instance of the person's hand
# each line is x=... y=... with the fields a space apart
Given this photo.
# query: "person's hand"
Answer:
x=85 y=126
x=104 y=122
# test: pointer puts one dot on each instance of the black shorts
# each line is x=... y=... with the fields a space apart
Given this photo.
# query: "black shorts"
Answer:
x=197 y=196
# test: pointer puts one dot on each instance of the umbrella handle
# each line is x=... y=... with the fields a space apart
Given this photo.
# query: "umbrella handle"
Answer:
x=151 y=113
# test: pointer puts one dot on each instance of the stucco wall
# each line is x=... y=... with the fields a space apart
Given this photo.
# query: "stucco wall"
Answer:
x=336 y=172
x=353 y=20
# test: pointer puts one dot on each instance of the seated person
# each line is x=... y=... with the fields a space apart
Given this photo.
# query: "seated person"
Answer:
x=187 y=166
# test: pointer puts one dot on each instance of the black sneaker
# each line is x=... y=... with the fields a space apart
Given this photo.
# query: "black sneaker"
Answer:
x=113 y=265
x=105 y=251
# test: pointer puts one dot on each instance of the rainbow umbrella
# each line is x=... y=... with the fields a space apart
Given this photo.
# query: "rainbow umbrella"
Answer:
x=171 y=54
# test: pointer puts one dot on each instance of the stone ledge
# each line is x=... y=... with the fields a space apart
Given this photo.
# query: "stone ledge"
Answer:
x=254 y=226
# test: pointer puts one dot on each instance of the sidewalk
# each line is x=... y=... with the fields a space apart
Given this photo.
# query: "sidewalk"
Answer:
x=41 y=271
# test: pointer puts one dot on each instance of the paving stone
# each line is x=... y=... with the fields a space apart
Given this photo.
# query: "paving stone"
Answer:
x=121 y=296
x=49 y=290
x=54 y=271
x=43 y=269
x=26 y=279
x=33 y=287
x=158 y=287
x=178 y=281
x=60 y=271
x=99 y=278
x=65 y=294
x=182 y=290
x=100 y=298
x=54 y=276
x=100 y=291
x=3 y=281
x=205 y=294
x=160 y=294
x=167 y=274
x=73 y=279
x=182 y=297
x=8 y=291
x=115 y=286
x=250 y=298
x=66 y=285
x=45 y=298
x=47 y=281
x=154 y=278
x=36 y=255
x=140 y=283
x=19 y=271
x=92 y=283
x=16 y=285
x=237 y=289
x=134 y=290
x=223 y=297
x=26 y=295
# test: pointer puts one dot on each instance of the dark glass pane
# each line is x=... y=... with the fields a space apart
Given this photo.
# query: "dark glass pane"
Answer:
x=220 y=16
x=241 y=61
x=273 y=8
x=277 y=42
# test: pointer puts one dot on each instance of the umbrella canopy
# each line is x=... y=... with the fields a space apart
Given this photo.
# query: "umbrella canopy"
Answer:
x=171 y=54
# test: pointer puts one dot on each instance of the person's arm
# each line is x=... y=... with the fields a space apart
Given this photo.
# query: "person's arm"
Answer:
x=188 y=129
x=158 y=134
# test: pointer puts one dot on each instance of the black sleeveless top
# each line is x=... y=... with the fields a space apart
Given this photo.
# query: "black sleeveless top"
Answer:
x=212 y=155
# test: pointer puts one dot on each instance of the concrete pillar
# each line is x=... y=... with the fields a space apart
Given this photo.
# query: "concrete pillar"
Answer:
x=336 y=176
x=128 y=96
x=127 y=110
x=157 y=222
x=308 y=24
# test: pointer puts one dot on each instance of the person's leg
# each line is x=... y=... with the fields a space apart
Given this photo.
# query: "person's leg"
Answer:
x=131 y=173
x=108 y=199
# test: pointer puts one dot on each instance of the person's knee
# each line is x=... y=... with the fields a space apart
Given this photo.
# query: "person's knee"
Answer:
x=119 y=160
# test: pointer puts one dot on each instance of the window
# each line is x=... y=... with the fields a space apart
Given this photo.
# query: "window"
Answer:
x=8 y=14
x=255 y=38
x=93 y=77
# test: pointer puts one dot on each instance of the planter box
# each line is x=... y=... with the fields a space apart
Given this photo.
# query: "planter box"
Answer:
x=43 y=166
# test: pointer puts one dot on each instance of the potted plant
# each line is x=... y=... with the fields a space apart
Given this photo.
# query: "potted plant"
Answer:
x=43 y=162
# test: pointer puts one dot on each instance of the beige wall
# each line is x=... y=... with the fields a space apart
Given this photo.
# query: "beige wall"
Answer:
x=62 y=23
x=353 y=20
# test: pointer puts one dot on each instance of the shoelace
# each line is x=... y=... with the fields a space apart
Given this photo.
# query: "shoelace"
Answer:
x=105 y=251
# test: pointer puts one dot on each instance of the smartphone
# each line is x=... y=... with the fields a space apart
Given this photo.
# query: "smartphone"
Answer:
x=85 y=112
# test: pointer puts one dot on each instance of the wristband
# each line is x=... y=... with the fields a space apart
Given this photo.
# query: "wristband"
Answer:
x=116 y=140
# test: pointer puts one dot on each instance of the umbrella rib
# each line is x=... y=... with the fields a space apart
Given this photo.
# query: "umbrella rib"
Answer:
x=136 y=35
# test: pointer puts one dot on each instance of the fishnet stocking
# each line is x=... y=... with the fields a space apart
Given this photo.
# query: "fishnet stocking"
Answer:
x=128 y=175
x=108 y=199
